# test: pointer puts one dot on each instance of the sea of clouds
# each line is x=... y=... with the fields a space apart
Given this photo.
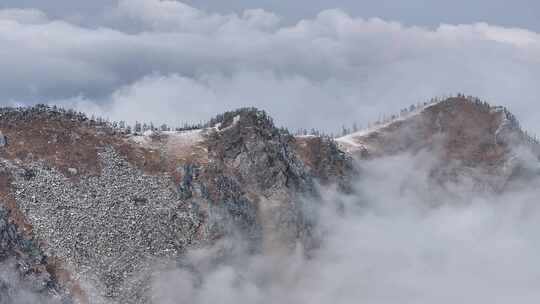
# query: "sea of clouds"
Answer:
x=166 y=61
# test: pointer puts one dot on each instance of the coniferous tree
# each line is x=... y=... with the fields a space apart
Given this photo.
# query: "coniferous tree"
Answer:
x=138 y=127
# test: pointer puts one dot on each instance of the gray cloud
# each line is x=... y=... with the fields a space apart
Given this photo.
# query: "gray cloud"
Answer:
x=179 y=63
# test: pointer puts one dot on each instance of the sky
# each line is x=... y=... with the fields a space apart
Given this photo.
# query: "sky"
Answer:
x=310 y=64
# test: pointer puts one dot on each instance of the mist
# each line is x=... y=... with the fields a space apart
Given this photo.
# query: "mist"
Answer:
x=16 y=290
x=398 y=239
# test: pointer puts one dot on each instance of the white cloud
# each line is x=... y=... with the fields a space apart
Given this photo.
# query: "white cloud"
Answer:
x=518 y=37
x=175 y=99
x=176 y=16
x=320 y=72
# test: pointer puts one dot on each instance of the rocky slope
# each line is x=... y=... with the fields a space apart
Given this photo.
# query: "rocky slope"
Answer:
x=108 y=206
x=91 y=211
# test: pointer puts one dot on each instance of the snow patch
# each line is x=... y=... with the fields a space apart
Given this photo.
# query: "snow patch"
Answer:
x=187 y=145
x=235 y=121
x=351 y=141
x=148 y=133
x=306 y=136
x=186 y=137
x=140 y=139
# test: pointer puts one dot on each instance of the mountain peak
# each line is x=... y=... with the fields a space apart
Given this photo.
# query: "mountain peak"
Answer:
x=465 y=139
x=466 y=128
x=247 y=116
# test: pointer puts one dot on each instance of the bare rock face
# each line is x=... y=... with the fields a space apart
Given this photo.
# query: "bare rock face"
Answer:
x=258 y=161
x=325 y=160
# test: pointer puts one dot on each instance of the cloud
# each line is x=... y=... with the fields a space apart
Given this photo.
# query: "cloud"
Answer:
x=19 y=289
x=399 y=240
x=320 y=72
x=24 y=16
x=179 y=17
x=517 y=37
x=156 y=97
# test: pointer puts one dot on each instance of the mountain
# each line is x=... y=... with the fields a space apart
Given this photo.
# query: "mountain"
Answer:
x=465 y=136
x=104 y=205
x=90 y=211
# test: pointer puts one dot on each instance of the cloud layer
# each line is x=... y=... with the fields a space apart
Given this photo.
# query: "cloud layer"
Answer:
x=165 y=61
x=399 y=241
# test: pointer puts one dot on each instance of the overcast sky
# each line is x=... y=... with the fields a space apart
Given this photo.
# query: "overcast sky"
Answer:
x=315 y=63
